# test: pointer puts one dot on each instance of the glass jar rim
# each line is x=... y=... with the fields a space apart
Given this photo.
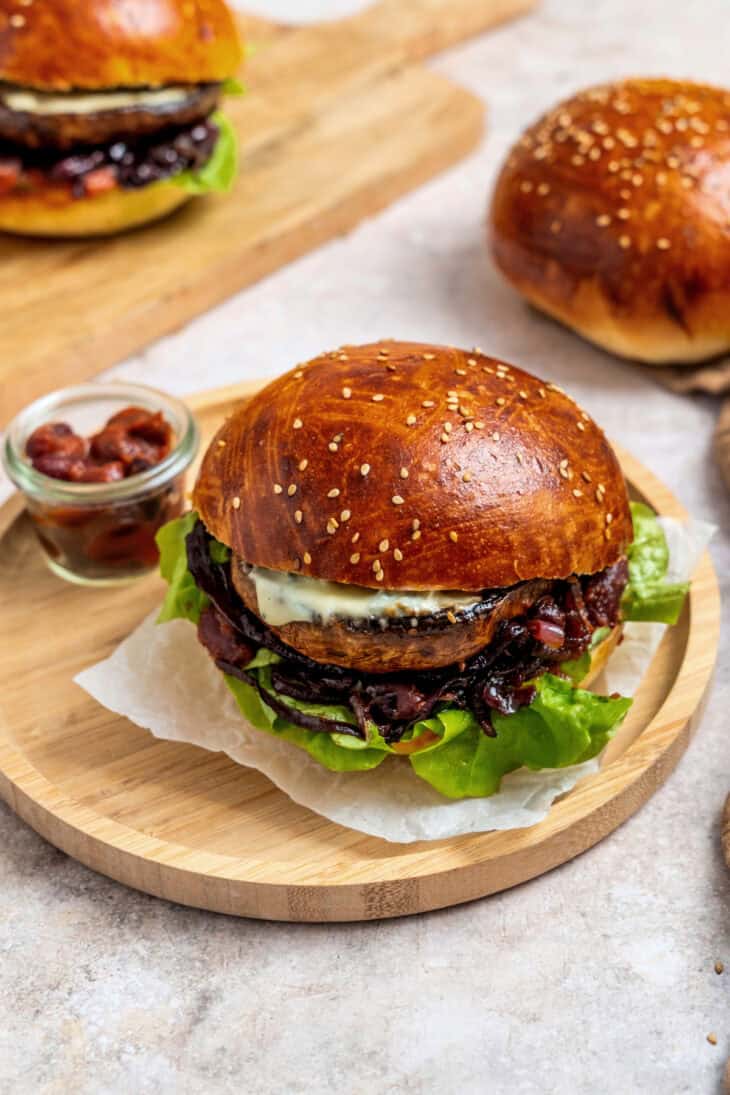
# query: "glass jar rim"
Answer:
x=58 y=491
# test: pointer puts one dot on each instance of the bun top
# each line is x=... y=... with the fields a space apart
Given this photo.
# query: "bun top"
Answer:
x=406 y=466
x=622 y=192
x=59 y=45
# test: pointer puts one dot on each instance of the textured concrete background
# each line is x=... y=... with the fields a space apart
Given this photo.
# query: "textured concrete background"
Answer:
x=597 y=978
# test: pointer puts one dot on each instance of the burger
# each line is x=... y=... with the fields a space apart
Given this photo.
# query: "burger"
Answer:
x=109 y=111
x=417 y=554
x=611 y=214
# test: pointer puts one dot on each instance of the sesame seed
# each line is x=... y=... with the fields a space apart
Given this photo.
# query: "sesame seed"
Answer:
x=383 y=545
x=460 y=372
x=444 y=438
x=465 y=412
x=398 y=555
x=453 y=536
x=355 y=538
x=522 y=394
x=303 y=464
x=501 y=401
x=543 y=189
x=397 y=500
x=334 y=493
x=298 y=374
x=291 y=490
x=719 y=967
x=541 y=392
x=236 y=502
x=416 y=535
x=278 y=489
x=526 y=186
x=297 y=424
x=307 y=558
x=495 y=436
x=468 y=426
x=428 y=403
x=448 y=427
x=577 y=492
x=712 y=1039
x=333 y=446
x=623 y=214
x=520 y=458
x=603 y=221
x=581 y=426
x=377 y=566
x=346 y=393
x=364 y=469
x=390 y=366
x=404 y=473
x=332 y=526
x=478 y=425
x=663 y=243
x=624 y=242
x=378 y=398
x=585 y=476
x=564 y=472
x=609 y=518
x=298 y=516
x=379 y=576
x=345 y=515
x=471 y=361
x=17 y=21
x=415 y=524
x=355 y=558
x=601 y=488
x=466 y=477
x=222 y=444
x=411 y=420
x=429 y=357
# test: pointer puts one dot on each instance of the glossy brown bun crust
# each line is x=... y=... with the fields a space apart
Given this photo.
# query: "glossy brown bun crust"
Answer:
x=612 y=214
x=57 y=45
x=431 y=467
x=52 y=211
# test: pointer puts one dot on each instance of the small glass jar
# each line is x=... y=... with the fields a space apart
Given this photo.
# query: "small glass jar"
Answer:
x=101 y=533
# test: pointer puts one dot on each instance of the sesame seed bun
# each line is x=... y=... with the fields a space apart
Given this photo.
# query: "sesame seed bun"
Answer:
x=612 y=215
x=57 y=45
x=52 y=211
x=477 y=474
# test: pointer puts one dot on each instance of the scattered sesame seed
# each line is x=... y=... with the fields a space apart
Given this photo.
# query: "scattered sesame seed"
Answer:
x=581 y=426
x=334 y=493
x=460 y=372
x=303 y=464
x=355 y=558
x=495 y=436
x=556 y=227
x=624 y=242
x=564 y=472
x=585 y=476
x=17 y=21
x=278 y=489
x=297 y=424
x=416 y=535
x=379 y=576
x=522 y=394
x=383 y=545
x=477 y=425
x=719 y=967
x=411 y=420
x=355 y=538
x=663 y=243
x=466 y=477
x=428 y=403
x=398 y=555
x=501 y=401
x=378 y=398
x=404 y=473
x=712 y=1039
x=471 y=361
x=298 y=516
x=445 y=437
x=333 y=446
x=345 y=515
x=346 y=393
x=577 y=492
x=236 y=502
x=397 y=500
x=543 y=189
x=542 y=393
x=429 y=357
x=526 y=186
x=465 y=412
x=307 y=558
x=364 y=469
x=415 y=524
x=609 y=518
x=603 y=221
x=453 y=536
x=298 y=374
x=222 y=444
x=291 y=490
x=448 y=427
x=377 y=566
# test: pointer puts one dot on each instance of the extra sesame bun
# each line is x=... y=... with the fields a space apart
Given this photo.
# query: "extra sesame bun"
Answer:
x=57 y=45
x=477 y=474
x=612 y=215
x=53 y=211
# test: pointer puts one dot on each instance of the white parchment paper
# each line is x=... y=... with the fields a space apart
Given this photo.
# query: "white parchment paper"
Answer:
x=162 y=679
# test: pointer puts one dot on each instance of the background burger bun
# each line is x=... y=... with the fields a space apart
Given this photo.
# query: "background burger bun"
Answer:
x=612 y=214
x=409 y=466
x=57 y=45
x=52 y=211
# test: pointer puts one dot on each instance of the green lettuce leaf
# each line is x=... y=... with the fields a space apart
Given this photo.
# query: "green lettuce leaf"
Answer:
x=219 y=173
x=233 y=86
x=184 y=601
x=648 y=595
x=563 y=726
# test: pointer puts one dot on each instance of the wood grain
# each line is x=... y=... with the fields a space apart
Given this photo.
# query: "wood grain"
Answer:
x=337 y=124
x=195 y=828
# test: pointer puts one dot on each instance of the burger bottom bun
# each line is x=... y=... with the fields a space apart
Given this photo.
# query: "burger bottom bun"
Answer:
x=653 y=340
x=600 y=655
x=54 y=213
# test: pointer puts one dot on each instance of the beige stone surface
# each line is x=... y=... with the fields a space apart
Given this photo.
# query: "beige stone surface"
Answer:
x=597 y=978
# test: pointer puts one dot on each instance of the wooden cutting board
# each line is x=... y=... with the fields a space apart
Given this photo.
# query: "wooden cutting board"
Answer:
x=338 y=123
x=194 y=827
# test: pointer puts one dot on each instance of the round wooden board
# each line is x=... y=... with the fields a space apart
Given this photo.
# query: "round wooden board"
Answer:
x=194 y=827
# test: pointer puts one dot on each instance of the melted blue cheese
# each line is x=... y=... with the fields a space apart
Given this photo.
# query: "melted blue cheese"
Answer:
x=76 y=102
x=286 y=598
